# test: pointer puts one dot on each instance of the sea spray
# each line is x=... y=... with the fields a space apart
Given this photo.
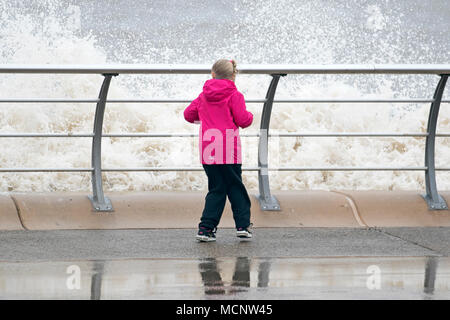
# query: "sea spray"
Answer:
x=56 y=32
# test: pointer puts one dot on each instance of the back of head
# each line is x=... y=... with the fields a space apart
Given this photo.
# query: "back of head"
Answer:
x=224 y=69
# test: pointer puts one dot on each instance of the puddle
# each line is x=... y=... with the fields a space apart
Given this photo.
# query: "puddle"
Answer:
x=230 y=278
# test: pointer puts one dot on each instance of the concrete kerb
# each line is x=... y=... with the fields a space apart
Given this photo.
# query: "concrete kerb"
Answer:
x=9 y=214
x=142 y=210
x=398 y=209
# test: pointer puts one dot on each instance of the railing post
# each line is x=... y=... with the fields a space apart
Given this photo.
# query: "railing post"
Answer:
x=433 y=199
x=98 y=199
x=267 y=202
x=430 y=275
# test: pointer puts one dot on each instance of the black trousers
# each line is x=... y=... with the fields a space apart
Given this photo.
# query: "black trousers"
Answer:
x=225 y=180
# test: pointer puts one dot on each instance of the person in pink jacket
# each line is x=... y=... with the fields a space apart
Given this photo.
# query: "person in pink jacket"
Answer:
x=220 y=110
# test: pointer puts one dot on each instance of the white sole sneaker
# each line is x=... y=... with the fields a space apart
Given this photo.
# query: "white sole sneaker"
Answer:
x=205 y=238
x=244 y=234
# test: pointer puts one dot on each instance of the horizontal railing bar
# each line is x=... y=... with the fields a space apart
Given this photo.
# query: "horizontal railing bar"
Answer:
x=247 y=101
x=349 y=134
x=349 y=169
x=276 y=169
x=181 y=135
x=108 y=101
x=162 y=169
x=48 y=100
x=357 y=101
x=46 y=170
x=293 y=134
x=201 y=169
x=170 y=101
x=405 y=100
x=46 y=135
x=243 y=69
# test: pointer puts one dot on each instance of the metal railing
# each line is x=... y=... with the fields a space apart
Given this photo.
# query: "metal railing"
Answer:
x=267 y=201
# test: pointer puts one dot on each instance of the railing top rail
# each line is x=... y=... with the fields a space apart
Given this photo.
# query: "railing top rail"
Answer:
x=243 y=69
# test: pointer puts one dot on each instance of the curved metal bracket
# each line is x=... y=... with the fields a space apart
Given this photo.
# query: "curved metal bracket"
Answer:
x=98 y=199
x=267 y=201
x=433 y=199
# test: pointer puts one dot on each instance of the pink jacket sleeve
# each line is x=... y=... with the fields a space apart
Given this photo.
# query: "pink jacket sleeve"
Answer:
x=191 y=112
x=241 y=116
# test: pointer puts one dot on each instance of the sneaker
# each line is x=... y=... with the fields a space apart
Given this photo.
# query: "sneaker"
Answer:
x=244 y=232
x=206 y=235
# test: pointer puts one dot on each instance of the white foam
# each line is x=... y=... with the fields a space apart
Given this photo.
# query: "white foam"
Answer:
x=375 y=20
x=24 y=40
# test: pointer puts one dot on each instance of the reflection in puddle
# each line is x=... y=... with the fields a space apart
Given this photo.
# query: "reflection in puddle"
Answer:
x=96 y=282
x=430 y=275
x=241 y=275
x=230 y=278
x=212 y=279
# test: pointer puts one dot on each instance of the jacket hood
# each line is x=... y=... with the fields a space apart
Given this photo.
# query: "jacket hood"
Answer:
x=218 y=89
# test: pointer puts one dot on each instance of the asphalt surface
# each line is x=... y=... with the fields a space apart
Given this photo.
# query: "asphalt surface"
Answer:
x=180 y=243
x=278 y=263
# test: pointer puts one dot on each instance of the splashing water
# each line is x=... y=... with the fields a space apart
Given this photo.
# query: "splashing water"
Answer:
x=306 y=32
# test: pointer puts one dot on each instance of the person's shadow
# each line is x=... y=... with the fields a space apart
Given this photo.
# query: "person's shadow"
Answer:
x=212 y=279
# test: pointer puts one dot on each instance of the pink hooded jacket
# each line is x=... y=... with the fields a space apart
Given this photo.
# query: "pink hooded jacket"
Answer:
x=221 y=110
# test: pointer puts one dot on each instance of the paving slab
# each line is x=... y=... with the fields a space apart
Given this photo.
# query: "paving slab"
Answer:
x=437 y=239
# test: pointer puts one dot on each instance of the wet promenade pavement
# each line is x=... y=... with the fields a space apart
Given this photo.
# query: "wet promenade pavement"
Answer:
x=283 y=263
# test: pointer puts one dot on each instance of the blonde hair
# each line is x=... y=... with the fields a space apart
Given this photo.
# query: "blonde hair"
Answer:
x=224 y=68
